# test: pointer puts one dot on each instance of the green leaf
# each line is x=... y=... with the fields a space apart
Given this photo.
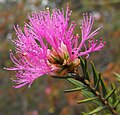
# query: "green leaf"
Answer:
x=86 y=73
x=74 y=89
x=87 y=100
x=109 y=94
x=95 y=75
x=118 y=76
x=85 y=92
x=84 y=68
x=114 y=97
x=96 y=110
x=75 y=82
x=88 y=76
x=104 y=90
x=89 y=94
x=116 y=103
x=82 y=64
x=97 y=84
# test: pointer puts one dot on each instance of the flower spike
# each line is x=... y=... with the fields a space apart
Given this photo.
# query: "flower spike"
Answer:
x=47 y=45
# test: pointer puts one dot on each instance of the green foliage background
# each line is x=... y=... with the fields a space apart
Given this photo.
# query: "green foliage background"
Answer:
x=46 y=97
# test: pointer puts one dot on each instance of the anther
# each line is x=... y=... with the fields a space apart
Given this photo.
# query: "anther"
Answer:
x=47 y=9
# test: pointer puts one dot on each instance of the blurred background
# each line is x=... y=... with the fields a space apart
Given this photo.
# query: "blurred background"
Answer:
x=46 y=97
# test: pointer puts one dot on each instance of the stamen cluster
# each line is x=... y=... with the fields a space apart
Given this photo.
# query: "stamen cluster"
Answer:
x=49 y=46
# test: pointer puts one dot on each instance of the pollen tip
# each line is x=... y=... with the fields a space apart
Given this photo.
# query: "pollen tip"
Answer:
x=101 y=26
x=24 y=54
x=13 y=26
x=100 y=39
x=12 y=79
x=104 y=43
x=13 y=86
x=77 y=35
x=67 y=4
x=47 y=8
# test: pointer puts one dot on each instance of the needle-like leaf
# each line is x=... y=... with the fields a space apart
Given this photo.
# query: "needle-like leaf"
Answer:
x=118 y=76
x=82 y=64
x=114 y=96
x=87 y=100
x=109 y=94
x=74 y=89
x=95 y=74
x=97 y=84
x=116 y=103
x=104 y=90
x=75 y=82
x=96 y=110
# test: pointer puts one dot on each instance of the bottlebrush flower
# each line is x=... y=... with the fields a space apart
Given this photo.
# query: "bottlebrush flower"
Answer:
x=49 y=46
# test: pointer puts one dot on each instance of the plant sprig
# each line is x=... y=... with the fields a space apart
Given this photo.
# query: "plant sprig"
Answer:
x=97 y=92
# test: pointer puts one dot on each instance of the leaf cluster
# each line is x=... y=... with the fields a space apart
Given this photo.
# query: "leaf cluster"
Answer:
x=95 y=90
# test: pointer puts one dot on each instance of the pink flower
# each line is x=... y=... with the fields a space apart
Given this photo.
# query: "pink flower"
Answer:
x=49 y=46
